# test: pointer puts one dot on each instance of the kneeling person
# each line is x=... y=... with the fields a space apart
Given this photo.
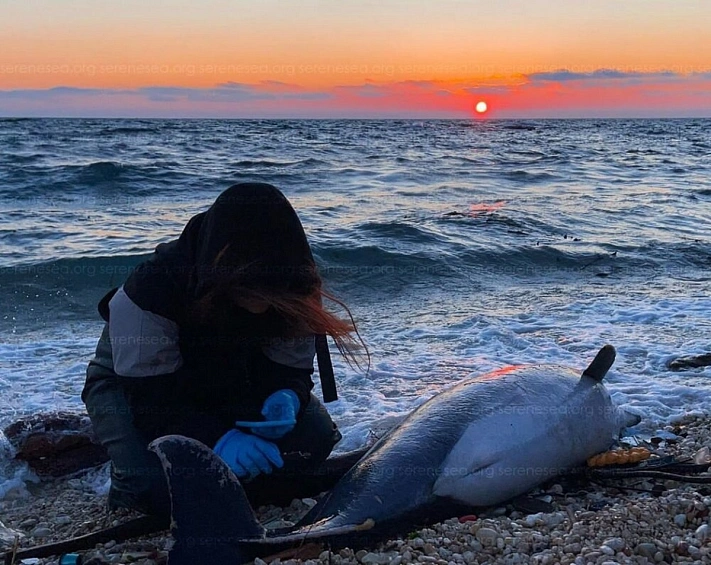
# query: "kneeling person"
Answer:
x=214 y=338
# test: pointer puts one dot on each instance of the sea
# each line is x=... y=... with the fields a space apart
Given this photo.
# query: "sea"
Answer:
x=459 y=247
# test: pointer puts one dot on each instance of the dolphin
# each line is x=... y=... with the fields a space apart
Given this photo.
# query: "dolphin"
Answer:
x=478 y=443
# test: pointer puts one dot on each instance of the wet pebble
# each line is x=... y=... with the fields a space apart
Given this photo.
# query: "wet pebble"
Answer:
x=486 y=536
x=41 y=532
x=28 y=524
x=616 y=544
x=646 y=549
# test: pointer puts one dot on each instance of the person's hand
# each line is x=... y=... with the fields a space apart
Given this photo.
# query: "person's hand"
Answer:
x=248 y=455
x=282 y=406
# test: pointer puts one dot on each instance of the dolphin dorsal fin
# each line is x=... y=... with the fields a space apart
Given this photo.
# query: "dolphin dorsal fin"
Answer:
x=210 y=512
x=601 y=364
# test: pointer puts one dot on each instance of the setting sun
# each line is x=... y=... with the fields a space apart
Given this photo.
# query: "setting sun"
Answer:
x=481 y=107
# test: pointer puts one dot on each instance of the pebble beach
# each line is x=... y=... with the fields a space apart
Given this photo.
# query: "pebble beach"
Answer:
x=622 y=521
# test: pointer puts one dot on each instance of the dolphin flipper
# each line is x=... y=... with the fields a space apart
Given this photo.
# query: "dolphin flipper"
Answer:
x=210 y=511
x=601 y=364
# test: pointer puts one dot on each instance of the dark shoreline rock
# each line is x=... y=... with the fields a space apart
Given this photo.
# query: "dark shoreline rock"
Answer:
x=55 y=444
x=690 y=362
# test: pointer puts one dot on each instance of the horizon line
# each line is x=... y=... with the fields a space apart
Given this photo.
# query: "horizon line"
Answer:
x=354 y=118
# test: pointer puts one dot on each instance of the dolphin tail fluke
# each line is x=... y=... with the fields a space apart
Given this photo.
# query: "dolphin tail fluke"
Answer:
x=210 y=511
x=601 y=364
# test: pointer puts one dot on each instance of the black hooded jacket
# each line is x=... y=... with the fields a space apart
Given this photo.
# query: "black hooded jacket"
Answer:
x=189 y=358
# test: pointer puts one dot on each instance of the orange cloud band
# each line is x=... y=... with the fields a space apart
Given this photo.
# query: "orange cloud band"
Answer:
x=555 y=94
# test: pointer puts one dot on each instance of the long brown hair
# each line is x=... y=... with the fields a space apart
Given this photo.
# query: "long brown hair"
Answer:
x=296 y=294
x=302 y=314
x=305 y=314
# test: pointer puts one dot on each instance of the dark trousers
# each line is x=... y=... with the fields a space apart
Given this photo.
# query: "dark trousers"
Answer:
x=137 y=478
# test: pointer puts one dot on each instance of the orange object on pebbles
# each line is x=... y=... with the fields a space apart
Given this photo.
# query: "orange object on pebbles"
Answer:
x=619 y=457
x=467 y=518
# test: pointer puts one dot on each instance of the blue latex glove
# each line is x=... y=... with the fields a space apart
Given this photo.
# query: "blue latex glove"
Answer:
x=248 y=455
x=283 y=405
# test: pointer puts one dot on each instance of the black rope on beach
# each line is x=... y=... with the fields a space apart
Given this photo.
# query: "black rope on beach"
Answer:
x=625 y=488
x=665 y=469
x=660 y=475
x=137 y=527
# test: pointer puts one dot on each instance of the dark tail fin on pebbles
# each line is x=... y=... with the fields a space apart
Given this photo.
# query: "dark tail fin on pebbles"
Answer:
x=210 y=511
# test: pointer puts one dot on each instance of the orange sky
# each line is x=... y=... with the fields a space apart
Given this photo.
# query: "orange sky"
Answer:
x=317 y=46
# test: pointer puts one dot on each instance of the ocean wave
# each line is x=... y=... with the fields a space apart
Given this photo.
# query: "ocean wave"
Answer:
x=128 y=130
x=533 y=259
x=397 y=231
x=14 y=159
x=520 y=127
x=54 y=280
x=528 y=153
x=387 y=269
x=102 y=171
x=55 y=181
x=382 y=266
x=673 y=257
x=528 y=177
x=462 y=160
x=70 y=273
x=44 y=295
x=265 y=163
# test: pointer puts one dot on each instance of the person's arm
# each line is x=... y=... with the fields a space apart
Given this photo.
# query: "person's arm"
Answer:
x=149 y=366
x=160 y=406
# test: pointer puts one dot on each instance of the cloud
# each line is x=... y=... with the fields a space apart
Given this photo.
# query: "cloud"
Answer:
x=44 y=94
x=603 y=92
x=230 y=98
x=564 y=75
x=488 y=90
x=232 y=92
x=362 y=91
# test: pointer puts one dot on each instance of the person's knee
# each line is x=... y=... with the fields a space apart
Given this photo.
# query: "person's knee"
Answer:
x=137 y=478
x=141 y=487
